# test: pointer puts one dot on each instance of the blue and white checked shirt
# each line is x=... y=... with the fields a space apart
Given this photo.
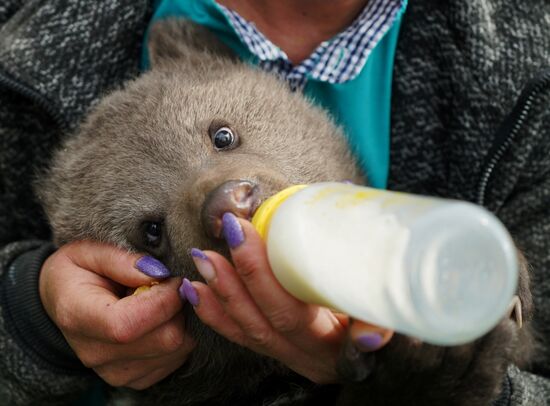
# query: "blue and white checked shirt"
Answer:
x=337 y=60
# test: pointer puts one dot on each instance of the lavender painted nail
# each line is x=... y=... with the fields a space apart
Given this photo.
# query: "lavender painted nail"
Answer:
x=203 y=264
x=181 y=291
x=189 y=292
x=197 y=253
x=152 y=267
x=369 y=341
x=232 y=230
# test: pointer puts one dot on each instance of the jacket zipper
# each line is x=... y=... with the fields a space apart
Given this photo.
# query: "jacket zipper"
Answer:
x=36 y=97
x=510 y=128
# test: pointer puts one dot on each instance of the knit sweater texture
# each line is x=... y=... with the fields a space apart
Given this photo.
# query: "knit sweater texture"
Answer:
x=470 y=120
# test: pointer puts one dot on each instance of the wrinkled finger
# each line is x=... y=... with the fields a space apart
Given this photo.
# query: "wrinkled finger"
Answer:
x=211 y=312
x=368 y=337
x=128 y=269
x=238 y=305
x=260 y=338
x=288 y=315
x=250 y=258
x=166 y=339
x=125 y=372
x=122 y=321
x=152 y=378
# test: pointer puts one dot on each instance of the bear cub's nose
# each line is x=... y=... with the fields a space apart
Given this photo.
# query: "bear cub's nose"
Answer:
x=240 y=197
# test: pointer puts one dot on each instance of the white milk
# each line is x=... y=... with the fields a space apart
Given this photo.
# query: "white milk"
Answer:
x=440 y=270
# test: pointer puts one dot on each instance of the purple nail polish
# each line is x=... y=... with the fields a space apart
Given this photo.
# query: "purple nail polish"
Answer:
x=197 y=253
x=181 y=291
x=190 y=292
x=232 y=230
x=152 y=267
x=369 y=341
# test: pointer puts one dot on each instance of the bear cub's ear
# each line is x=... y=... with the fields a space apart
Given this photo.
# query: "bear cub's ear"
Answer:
x=183 y=42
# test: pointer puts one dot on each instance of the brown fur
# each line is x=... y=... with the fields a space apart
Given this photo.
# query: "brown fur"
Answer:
x=145 y=153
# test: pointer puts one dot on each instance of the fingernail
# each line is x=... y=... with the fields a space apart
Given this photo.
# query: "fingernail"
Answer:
x=232 y=230
x=152 y=267
x=203 y=264
x=369 y=342
x=187 y=290
x=181 y=291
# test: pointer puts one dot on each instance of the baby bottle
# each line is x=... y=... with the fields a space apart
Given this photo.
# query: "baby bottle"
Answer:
x=441 y=270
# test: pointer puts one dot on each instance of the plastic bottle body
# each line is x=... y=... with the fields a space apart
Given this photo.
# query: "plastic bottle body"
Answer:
x=440 y=270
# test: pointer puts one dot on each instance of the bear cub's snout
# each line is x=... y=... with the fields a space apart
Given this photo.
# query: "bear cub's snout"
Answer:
x=240 y=197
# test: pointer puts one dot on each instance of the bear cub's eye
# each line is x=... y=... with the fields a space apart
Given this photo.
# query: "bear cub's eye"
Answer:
x=152 y=231
x=224 y=138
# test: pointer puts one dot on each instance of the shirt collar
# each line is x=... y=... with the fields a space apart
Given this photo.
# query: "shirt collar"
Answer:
x=337 y=60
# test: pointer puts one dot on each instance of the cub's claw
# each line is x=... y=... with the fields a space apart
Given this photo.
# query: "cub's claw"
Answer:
x=514 y=311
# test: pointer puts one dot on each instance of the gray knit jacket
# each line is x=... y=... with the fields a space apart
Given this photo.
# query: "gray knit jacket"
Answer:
x=470 y=120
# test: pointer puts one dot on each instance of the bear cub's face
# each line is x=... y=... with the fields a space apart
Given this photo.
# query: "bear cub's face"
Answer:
x=156 y=165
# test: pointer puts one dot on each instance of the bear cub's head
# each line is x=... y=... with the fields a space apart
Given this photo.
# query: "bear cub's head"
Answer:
x=156 y=164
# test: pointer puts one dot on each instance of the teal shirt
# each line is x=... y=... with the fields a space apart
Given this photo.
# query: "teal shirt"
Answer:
x=361 y=106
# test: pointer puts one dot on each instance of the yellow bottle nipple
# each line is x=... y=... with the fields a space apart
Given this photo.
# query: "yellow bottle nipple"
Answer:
x=262 y=218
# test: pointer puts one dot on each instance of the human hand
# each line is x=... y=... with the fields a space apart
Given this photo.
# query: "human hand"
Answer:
x=132 y=341
x=248 y=306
